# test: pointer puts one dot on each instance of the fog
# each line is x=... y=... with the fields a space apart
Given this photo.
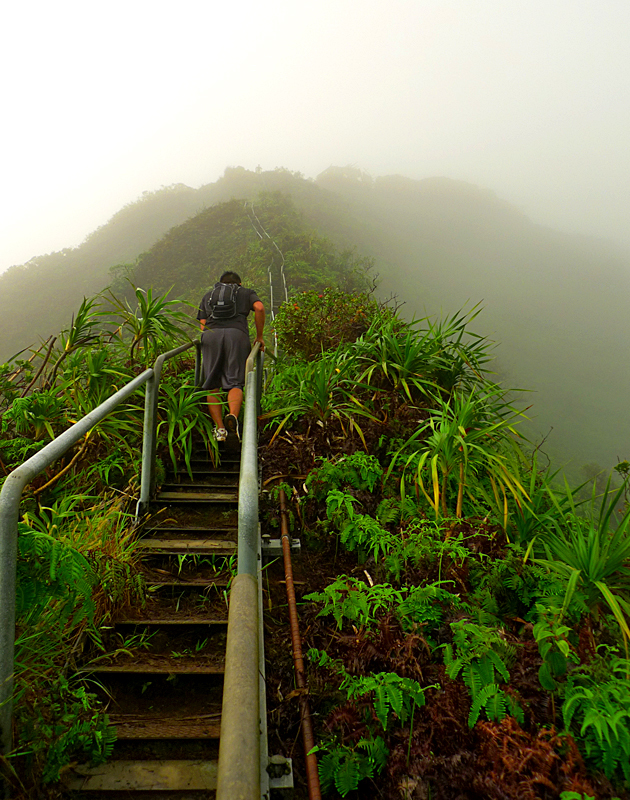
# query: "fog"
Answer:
x=103 y=102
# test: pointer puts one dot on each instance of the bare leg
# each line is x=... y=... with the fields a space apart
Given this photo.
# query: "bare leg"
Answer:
x=215 y=407
x=235 y=401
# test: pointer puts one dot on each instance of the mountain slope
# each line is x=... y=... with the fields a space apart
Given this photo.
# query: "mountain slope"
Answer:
x=555 y=302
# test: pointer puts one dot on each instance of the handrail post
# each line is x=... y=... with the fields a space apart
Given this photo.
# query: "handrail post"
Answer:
x=9 y=512
x=198 y=364
x=148 y=446
x=149 y=437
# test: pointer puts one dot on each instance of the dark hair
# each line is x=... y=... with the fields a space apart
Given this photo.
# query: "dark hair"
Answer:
x=230 y=277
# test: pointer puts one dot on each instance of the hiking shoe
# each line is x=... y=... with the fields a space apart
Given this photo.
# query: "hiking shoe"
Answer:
x=233 y=433
x=220 y=434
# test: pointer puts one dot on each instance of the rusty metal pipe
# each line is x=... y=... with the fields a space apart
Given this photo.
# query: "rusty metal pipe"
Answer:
x=312 y=776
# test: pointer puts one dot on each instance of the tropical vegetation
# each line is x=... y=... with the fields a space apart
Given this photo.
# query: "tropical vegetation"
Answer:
x=465 y=613
x=76 y=547
x=478 y=620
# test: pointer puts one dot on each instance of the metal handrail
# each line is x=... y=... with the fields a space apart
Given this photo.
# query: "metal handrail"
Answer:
x=248 y=480
x=147 y=481
x=241 y=744
x=9 y=513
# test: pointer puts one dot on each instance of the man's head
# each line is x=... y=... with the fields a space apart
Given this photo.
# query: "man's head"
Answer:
x=230 y=277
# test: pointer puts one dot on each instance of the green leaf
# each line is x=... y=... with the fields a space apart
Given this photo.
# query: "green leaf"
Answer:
x=381 y=704
x=347 y=776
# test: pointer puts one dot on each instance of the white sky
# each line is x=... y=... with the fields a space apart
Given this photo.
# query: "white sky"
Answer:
x=101 y=102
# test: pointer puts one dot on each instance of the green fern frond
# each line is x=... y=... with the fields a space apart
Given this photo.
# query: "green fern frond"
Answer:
x=347 y=776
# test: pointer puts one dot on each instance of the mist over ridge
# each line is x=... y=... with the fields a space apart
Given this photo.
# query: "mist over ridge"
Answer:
x=554 y=302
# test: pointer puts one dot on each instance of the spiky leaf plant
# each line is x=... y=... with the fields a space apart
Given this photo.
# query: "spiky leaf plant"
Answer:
x=467 y=437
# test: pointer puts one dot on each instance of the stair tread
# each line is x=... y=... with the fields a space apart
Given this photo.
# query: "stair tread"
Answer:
x=183 y=620
x=170 y=486
x=154 y=725
x=198 y=497
x=200 y=583
x=161 y=666
x=127 y=775
x=202 y=467
x=188 y=545
x=227 y=458
x=233 y=529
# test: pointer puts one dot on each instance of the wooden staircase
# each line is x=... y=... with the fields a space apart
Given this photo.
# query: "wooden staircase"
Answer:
x=162 y=676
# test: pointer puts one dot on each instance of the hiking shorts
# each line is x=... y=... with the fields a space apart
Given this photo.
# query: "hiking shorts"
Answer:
x=225 y=352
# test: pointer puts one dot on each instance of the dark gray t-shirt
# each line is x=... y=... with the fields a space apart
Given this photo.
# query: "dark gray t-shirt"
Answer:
x=245 y=300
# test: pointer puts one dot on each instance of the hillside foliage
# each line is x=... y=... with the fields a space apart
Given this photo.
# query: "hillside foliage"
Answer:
x=556 y=302
x=477 y=607
x=467 y=616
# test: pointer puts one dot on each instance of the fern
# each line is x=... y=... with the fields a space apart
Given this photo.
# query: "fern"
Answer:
x=343 y=767
x=349 y=598
x=362 y=532
x=425 y=543
x=50 y=570
x=345 y=598
x=347 y=776
x=358 y=531
x=425 y=605
x=340 y=504
x=359 y=471
x=68 y=723
x=396 y=511
x=480 y=658
x=553 y=645
x=601 y=713
x=392 y=693
x=511 y=586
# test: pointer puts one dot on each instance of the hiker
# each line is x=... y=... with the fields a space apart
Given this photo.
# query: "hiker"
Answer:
x=225 y=345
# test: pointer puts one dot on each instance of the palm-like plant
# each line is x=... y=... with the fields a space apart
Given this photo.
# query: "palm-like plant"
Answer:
x=403 y=359
x=544 y=507
x=183 y=411
x=426 y=358
x=467 y=437
x=36 y=414
x=80 y=333
x=94 y=373
x=321 y=390
x=593 y=555
x=461 y=355
x=154 y=323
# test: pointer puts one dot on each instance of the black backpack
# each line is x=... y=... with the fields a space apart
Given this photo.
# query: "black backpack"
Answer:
x=222 y=302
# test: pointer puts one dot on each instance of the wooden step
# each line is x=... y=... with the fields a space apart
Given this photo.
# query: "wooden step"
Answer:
x=199 y=583
x=200 y=487
x=165 y=546
x=192 y=531
x=205 y=468
x=152 y=726
x=228 y=459
x=197 y=497
x=159 y=666
x=172 y=621
x=138 y=776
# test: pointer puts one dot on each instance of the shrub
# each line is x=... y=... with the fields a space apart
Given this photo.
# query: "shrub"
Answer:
x=312 y=322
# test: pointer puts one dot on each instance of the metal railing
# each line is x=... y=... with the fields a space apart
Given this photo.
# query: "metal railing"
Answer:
x=147 y=481
x=283 y=293
x=10 y=503
x=243 y=743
